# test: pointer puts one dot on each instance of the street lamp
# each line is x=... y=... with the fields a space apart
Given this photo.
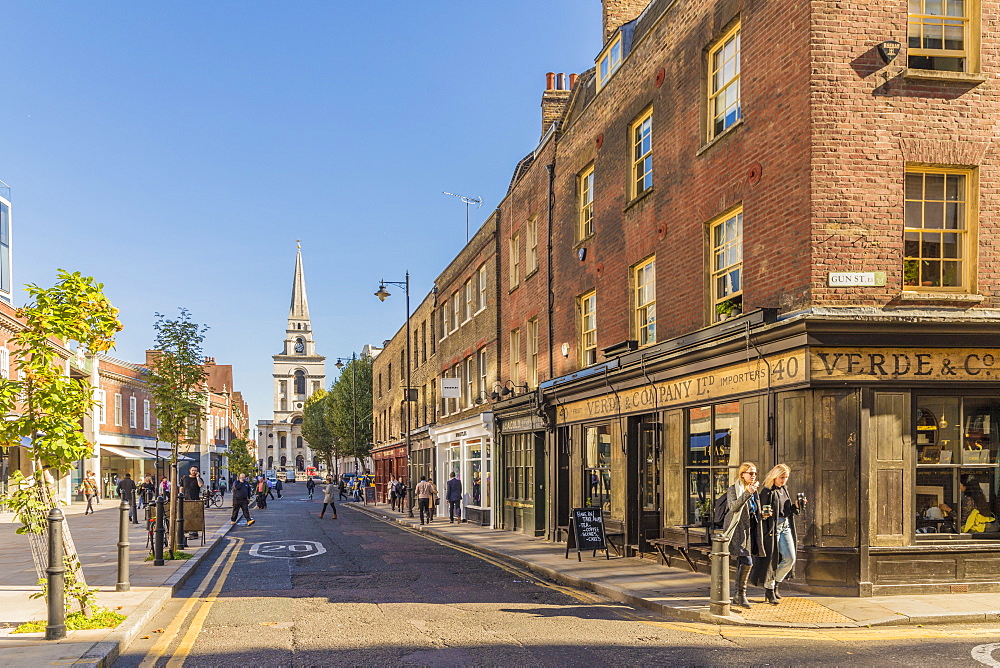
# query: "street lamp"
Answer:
x=382 y=294
x=354 y=395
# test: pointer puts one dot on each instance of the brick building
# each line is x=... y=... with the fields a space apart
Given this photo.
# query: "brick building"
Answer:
x=821 y=204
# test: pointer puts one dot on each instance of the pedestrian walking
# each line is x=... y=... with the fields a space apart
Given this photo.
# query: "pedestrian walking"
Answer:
x=328 y=491
x=747 y=536
x=241 y=499
x=222 y=487
x=278 y=486
x=453 y=495
x=270 y=487
x=165 y=488
x=126 y=491
x=262 y=491
x=311 y=486
x=434 y=500
x=392 y=492
x=778 y=512
x=424 y=492
x=342 y=489
x=401 y=495
x=88 y=487
x=147 y=491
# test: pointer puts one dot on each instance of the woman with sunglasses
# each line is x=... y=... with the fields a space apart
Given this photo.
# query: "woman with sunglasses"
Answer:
x=745 y=522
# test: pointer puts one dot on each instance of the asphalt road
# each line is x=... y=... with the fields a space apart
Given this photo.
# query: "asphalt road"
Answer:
x=371 y=593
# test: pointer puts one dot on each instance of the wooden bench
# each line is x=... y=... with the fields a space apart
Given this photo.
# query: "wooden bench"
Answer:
x=681 y=538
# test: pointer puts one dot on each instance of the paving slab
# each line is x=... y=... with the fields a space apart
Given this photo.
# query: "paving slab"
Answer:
x=679 y=593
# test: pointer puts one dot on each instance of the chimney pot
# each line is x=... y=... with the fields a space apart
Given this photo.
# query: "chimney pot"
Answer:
x=550 y=80
x=572 y=80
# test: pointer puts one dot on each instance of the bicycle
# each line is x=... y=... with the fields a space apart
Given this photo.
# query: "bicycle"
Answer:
x=212 y=498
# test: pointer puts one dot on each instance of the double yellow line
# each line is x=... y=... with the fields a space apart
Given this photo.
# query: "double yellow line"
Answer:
x=177 y=658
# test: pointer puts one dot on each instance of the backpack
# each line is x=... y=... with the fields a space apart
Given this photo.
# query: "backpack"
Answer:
x=721 y=511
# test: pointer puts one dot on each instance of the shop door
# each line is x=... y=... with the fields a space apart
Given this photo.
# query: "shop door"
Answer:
x=541 y=486
x=562 y=477
x=649 y=498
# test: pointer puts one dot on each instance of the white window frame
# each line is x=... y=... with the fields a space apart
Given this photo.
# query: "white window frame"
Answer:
x=515 y=260
x=145 y=414
x=515 y=355
x=531 y=232
x=118 y=409
x=470 y=300
x=532 y=352
x=481 y=278
x=483 y=374
x=4 y=362
x=101 y=406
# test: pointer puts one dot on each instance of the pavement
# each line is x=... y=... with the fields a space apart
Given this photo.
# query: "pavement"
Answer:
x=681 y=594
x=96 y=539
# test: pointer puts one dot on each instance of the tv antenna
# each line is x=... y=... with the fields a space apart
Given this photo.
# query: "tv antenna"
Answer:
x=478 y=201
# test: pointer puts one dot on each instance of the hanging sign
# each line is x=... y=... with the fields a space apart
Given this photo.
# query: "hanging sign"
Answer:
x=451 y=388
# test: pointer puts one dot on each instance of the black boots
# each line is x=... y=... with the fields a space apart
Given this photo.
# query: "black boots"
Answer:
x=742 y=576
x=770 y=597
x=777 y=596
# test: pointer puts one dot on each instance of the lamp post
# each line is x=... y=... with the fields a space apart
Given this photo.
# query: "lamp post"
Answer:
x=382 y=294
x=354 y=396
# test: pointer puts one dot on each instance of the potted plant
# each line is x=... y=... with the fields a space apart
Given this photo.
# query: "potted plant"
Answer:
x=729 y=309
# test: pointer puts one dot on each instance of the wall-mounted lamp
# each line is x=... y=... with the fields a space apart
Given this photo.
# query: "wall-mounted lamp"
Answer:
x=507 y=388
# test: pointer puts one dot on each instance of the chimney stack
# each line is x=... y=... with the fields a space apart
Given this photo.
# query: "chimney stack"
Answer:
x=617 y=13
x=555 y=98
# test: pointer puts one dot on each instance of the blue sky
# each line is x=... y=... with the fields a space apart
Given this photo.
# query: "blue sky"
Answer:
x=176 y=151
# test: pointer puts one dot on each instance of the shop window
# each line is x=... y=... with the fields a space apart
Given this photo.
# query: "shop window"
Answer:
x=726 y=235
x=641 y=136
x=585 y=187
x=477 y=477
x=713 y=456
x=724 y=84
x=644 y=283
x=597 y=467
x=519 y=455
x=938 y=220
x=958 y=443
x=943 y=35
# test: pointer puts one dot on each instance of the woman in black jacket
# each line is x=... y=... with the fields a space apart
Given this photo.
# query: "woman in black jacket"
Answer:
x=779 y=534
x=744 y=525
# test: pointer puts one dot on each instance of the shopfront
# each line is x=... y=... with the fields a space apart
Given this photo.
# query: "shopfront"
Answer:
x=895 y=440
x=389 y=462
x=523 y=463
x=465 y=449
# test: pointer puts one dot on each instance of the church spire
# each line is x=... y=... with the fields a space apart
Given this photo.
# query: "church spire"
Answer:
x=299 y=309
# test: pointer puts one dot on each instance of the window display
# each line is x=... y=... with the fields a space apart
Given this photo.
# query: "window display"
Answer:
x=713 y=456
x=957 y=468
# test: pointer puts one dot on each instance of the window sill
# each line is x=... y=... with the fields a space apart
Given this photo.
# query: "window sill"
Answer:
x=639 y=198
x=719 y=137
x=944 y=76
x=583 y=242
x=531 y=273
x=943 y=297
x=513 y=288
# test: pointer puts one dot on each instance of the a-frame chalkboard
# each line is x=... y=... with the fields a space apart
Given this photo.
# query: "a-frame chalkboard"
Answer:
x=586 y=532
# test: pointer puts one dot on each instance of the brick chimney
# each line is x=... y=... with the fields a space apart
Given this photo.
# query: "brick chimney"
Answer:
x=617 y=13
x=555 y=98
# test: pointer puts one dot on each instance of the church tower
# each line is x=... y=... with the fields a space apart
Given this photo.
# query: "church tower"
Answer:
x=298 y=372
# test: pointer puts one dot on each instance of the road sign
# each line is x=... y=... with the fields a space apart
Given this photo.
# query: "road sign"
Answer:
x=287 y=549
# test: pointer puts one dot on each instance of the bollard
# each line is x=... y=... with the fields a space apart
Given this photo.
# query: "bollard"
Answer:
x=56 y=627
x=719 y=603
x=124 y=510
x=158 y=534
x=181 y=536
x=133 y=509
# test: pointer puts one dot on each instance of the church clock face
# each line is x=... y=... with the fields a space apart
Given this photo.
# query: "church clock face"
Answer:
x=300 y=347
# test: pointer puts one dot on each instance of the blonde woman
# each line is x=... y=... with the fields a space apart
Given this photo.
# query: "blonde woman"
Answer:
x=745 y=527
x=779 y=533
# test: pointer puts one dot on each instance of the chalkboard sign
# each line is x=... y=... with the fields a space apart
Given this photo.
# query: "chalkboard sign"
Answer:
x=369 y=495
x=586 y=532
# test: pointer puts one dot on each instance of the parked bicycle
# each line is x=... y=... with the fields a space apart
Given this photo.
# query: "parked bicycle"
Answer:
x=212 y=498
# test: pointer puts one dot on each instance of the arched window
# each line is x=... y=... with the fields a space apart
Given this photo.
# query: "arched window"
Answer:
x=298 y=441
x=284 y=442
x=300 y=463
x=270 y=462
x=283 y=460
x=300 y=382
x=297 y=420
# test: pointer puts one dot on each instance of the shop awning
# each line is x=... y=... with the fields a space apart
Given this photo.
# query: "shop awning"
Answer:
x=127 y=453
x=165 y=453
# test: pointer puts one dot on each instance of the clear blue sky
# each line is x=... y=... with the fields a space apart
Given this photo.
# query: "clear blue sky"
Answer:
x=176 y=151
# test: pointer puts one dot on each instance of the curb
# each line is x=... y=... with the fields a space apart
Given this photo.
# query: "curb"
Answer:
x=105 y=652
x=698 y=614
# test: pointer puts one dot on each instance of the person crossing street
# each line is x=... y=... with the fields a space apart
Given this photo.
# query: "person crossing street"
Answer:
x=241 y=499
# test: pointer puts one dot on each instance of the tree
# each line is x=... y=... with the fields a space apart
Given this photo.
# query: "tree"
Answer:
x=238 y=457
x=316 y=428
x=49 y=407
x=350 y=412
x=176 y=378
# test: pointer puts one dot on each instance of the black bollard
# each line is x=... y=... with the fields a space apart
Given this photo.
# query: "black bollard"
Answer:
x=719 y=602
x=56 y=627
x=181 y=536
x=158 y=534
x=133 y=509
x=124 y=510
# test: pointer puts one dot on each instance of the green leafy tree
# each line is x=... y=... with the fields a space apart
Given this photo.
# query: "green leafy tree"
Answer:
x=239 y=458
x=47 y=406
x=316 y=427
x=176 y=378
x=350 y=411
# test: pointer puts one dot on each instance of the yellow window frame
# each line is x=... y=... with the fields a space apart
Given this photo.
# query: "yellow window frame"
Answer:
x=609 y=61
x=586 y=190
x=732 y=36
x=725 y=255
x=588 y=328
x=969 y=23
x=644 y=307
x=641 y=150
